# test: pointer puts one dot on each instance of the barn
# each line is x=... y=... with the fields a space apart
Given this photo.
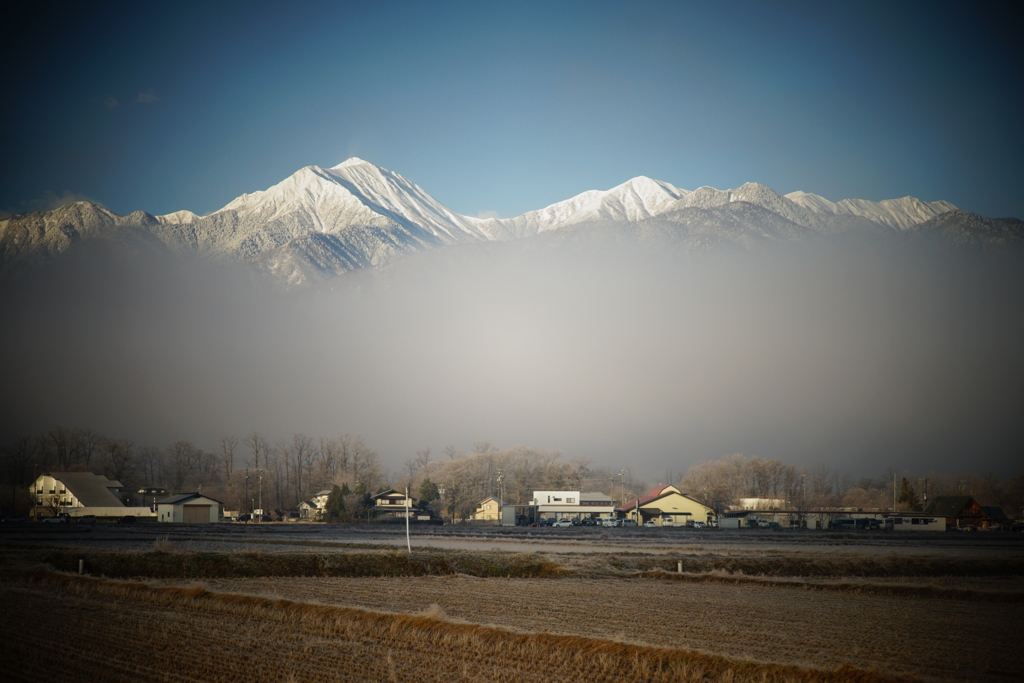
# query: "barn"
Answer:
x=188 y=508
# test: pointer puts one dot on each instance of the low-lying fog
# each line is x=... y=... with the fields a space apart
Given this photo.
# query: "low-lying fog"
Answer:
x=862 y=354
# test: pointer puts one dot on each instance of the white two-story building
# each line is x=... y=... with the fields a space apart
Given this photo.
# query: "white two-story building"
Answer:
x=572 y=505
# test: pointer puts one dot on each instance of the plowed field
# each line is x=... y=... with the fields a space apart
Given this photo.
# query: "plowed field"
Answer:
x=929 y=637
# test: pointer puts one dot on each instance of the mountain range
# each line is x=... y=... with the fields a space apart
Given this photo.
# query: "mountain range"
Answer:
x=320 y=222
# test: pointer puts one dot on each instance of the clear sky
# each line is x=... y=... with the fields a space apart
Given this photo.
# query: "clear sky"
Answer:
x=508 y=107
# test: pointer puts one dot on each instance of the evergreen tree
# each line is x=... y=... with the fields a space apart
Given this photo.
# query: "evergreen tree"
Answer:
x=428 y=491
x=908 y=496
x=335 y=508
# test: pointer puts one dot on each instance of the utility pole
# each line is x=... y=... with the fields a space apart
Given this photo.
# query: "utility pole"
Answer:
x=408 y=543
x=894 y=490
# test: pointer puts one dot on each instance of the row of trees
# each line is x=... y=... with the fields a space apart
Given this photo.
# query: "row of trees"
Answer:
x=250 y=472
x=729 y=479
x=245 y=472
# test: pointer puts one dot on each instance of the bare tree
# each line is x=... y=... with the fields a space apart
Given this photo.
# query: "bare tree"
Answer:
x=228 y=445
x=61 y=443
x=184 y=459
x=17 y=457
x=86 y=443
x=119 y=457
x=258 y=446
x=151 y=459
x=302 y=453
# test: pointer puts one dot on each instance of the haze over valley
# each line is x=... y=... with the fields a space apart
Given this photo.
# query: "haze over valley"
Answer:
x=643 y=325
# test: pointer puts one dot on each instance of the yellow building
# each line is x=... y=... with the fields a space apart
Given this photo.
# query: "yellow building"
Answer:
x=488 y=510
x=667 y=506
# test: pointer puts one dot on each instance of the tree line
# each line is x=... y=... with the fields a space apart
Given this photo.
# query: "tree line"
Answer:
x=251 y=471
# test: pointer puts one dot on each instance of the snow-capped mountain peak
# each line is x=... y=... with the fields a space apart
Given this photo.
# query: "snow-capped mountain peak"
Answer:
x=319 y=222
x=355 y=191
x=351 y=161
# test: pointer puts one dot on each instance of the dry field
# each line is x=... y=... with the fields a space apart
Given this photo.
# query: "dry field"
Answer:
x=930 y=637
x=101 y=630
x=175 y=614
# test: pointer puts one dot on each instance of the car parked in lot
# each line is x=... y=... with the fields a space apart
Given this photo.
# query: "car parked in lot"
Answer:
x=127 y=519
x=56 y=519
x=650 y=524
x=86 y=519
x=562 y=523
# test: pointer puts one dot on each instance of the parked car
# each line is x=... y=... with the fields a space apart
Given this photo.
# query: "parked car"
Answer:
x=86 y=519
x=127 y=519
x=629 y=522
x=56 y=519
x=15 y=519
x=562 y=523
x=651 y=524
x=612 y=522
x=243 y=518
x=588 y=521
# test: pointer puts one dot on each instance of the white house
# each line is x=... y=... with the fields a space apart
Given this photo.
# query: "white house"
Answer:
x=80 y=493
x=64 y=490
x=315 y=506
x=572 y=504
x=188 y=508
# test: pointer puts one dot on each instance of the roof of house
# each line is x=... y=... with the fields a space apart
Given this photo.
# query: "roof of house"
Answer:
x=496 y=500
x=91 y=490
x=184 y=497
x=996 y=513
x=949 y=506
x=654 y=494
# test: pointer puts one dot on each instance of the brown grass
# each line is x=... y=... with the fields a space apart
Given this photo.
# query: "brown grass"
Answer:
x=193 y=632
x=822 y=565
x=168 y=562
x=845 y=586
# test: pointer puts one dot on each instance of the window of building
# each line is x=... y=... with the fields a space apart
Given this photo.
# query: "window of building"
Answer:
x=570 y=500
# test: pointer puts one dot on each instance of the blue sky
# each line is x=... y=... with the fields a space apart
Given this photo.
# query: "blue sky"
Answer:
x=508 y=107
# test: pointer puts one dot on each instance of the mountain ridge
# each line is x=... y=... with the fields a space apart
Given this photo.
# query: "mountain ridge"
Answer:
x=321 y=222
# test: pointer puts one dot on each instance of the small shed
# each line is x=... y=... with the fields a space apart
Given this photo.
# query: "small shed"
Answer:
x=188 y=508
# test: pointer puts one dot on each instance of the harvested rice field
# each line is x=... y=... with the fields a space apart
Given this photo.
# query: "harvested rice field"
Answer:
x=806 y=628
x=316 y=613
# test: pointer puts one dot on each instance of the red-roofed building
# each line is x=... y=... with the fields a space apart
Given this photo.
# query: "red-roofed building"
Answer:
x=667 y=506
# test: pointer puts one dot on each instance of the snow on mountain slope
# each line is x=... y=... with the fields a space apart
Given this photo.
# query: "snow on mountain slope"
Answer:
x=899 y=214
x=354 y=192
x=319 y=222
x=634 y=200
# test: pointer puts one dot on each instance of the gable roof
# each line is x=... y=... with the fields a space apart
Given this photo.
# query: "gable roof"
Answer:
x=654 y=494
x=995 y=513
x=184 y=497
x=91 y=490
x=952 y=506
